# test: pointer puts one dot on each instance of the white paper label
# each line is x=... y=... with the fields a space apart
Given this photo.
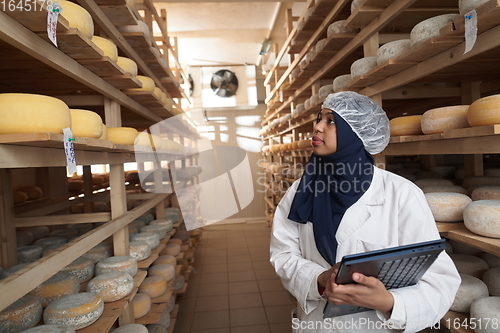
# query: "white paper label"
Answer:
x=69 y=150
x=470 y=30
x=53 y=14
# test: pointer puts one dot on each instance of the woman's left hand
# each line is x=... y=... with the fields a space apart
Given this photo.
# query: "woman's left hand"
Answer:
x=368 y=292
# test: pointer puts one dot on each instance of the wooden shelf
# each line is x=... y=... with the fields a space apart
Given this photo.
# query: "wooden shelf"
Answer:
x=175 y=311
x=490 y=245
x=163 y=298
x=144 y=264
x=171 y=327
x=153 y=316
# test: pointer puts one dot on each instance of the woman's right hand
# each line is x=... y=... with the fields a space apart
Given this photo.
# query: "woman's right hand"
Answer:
x=324 y=277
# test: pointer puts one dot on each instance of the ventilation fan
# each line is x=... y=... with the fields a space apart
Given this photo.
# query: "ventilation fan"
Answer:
x=224 y=83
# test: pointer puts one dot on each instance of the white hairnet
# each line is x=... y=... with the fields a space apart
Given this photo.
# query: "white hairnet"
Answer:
x=366 y=118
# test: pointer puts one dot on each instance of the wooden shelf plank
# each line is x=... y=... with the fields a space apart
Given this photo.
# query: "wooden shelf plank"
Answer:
x=119 y=14
x=76 y=45
x=144 y=264
x=153 y=315
x=102 y=67
x=472 y=132
x=429 y=48
x=53 y=140
x=163 y=298
x=490 y=245
x=122 y=82
x=107 y=319
x=446 y=227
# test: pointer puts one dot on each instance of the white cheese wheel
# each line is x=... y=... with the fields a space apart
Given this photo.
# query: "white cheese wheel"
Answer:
x=446 y=171
x=482 y=217
x=491 y=259
x=432 y=182
x=85 y=123
x=314 y=100
x=170 y=304
x=486 y=193
x=24 y=238
x=338 y=27
x=39 y=232
x=341 y=82
x=29 y=253
x=471 y=288
x=146 y=217
x=447 y=207
x=82 y=268
x=459 y=247
x=486 y=310
x=153 y=240
x=69 y=234
x=163 y=222
x=51 y=249
x=303 y=64
x=111 y=286
x=24 y=313
x=310 y=55
x=165 y=259
x=484 y=111
x=29 y=113
x=363 y=66
x=320 y=45
x=355 y=4
x=392 y=50
x=44 y=242
x=122 y=135
x=131 y=328
x=469 y=264
x=444 y=119
x=99 y=252
x=179 y=282
x=171 y=249
x=147 y=83
x=139 y=250
x=104 y=135
x=158 y=229
x=77 y=17
x=430 y=28
x=128 y=65
x=153 y=286
x=142 y=305
x=12 y=270
x=444 y=188
x=156 y=328
x=50 y=329
x=325 y=91
x=107 y=46
x=123 y=264
x=295 y=72
x=408 y=125
x=77 y=311
x=492 y=280
x=465 y=6
x=59 y=285
x=166 y=271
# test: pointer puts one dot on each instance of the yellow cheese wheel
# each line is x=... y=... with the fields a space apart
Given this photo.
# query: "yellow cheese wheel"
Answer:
x=107 y=46
x=409 y=125
x=303 y=144
x=444 y=119
x=128 y=65
x=85 y=123
x=123 y=264
x=77 y=17
x=29 y=113
x=157 y=92
x=111 y=286
x=484 y=111
x=447 y=207
x=147 y=83
x=139 y=250
x=165 y=259
x=163 y=98
x=144 y=139
x=122 y=135
x=82 y=268
x=24 y=313
x=142 y=305
x=59 y=285
x=169 y=103
x=104 y=135
x=482 y=217
x=486 y=193
x=165 y=271
x=77 y=311
x=19 y=197
x=153 y=286
x=33 y=192
x=171 y=249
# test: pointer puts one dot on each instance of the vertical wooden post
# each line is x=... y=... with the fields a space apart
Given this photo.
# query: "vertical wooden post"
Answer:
x=473 y=163
x=8 y=249
x=112 y=113
x=118 y=207
x=370 y=47
x=88 y=206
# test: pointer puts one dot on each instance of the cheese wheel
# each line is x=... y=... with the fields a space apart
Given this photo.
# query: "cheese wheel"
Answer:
x=77 y=17
x=325 y=91
x=77 y=311
x=320 y=45
x=338 y=27
x=408 y=125
x=137 y=224
x=465 y=6
x=179 y=282
x=163 y=222
x=59 y=285
x=147 y=83
x=303 y=144
x=183 y=235
x=166 y=271
x=170 y=304
x=153 y=286
x=491 y=259
x=459 y=247
x=29 y=253
x=363 y=66
x=469 y=264
x=68 y=234
x=51 y=249
x=157 y=328
x=492 y=281
x=447 y=207
x=107 y=46
x=472 y=182
x=111 y=286
x=171 y=249
x=486 y=193
x=33 y=192
x=24 y=238
x=24 y=313
x=157 y=93
x=82 y=268
x=482 y=217
x=141 y=26
x=128 y=65
x=99 y=252
x=484 y=111
x=39 y=232
x=160 y=230
x=19 y=197
x=153 y=240
x=82 y=228
x=433 y=182
x=175 y=241
x=11 y=270
x=44 y=242
x=142 y=305
x=486 y=310
x=85 y=123
x=446 y=171
x=139 y=250
x=165 y=259
x=392 y=50
x=123 y=264
x=341 y=82
x=50 y=329
x=104 y=135
x=146 y=217
x=444 y=119
x=122 y=135
x=471 y=289
x=444 y=188
x=131 y=328
x=430 y=28
x=427 y=175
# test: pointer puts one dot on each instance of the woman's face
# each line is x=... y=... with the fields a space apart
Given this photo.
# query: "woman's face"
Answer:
x=325 y=133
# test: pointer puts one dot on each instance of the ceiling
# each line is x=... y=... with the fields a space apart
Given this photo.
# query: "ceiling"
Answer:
x=220 y=33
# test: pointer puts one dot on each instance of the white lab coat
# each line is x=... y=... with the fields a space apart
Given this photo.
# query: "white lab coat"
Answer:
x=393 y=211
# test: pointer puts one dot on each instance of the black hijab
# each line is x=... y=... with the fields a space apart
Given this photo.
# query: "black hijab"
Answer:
x=330 y=185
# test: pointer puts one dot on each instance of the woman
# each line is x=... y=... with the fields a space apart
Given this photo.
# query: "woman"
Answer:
x=342 y=205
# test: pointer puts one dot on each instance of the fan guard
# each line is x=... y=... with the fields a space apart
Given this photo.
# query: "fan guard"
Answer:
x=224 y=83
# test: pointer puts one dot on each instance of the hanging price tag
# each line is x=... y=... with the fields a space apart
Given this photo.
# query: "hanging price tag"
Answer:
x=53 y=13
x=470 y=30
x=69 y=150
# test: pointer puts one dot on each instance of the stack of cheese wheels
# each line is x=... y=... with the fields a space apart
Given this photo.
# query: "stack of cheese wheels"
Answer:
x=85 y=123
x=445 y=119
x=59 y=285
x=141 y=304
x=131 y=328
x=471 y=289
x=77 y=17
x=469 y=264
x=107 y=46
x=486 y=193
x=490 y=278
x=341 y=82
x=111 y=286
x=153 y=240
x=430 y=28
x=465 y=6
x=29 y=113
x=484 y=111
x=123 y=264
x=482 y=217
x=82 y=268
x=392 y=50
x=24 y=313
x=153 y=286
x=29 y=253
x=147 y=84
x=408 y=125
x=128 y=65
x=122 y=135
x=363 y=66
x=50 y=329
x=139 y=250
x=447 y=207
x=486 y=310
x=77 y=311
